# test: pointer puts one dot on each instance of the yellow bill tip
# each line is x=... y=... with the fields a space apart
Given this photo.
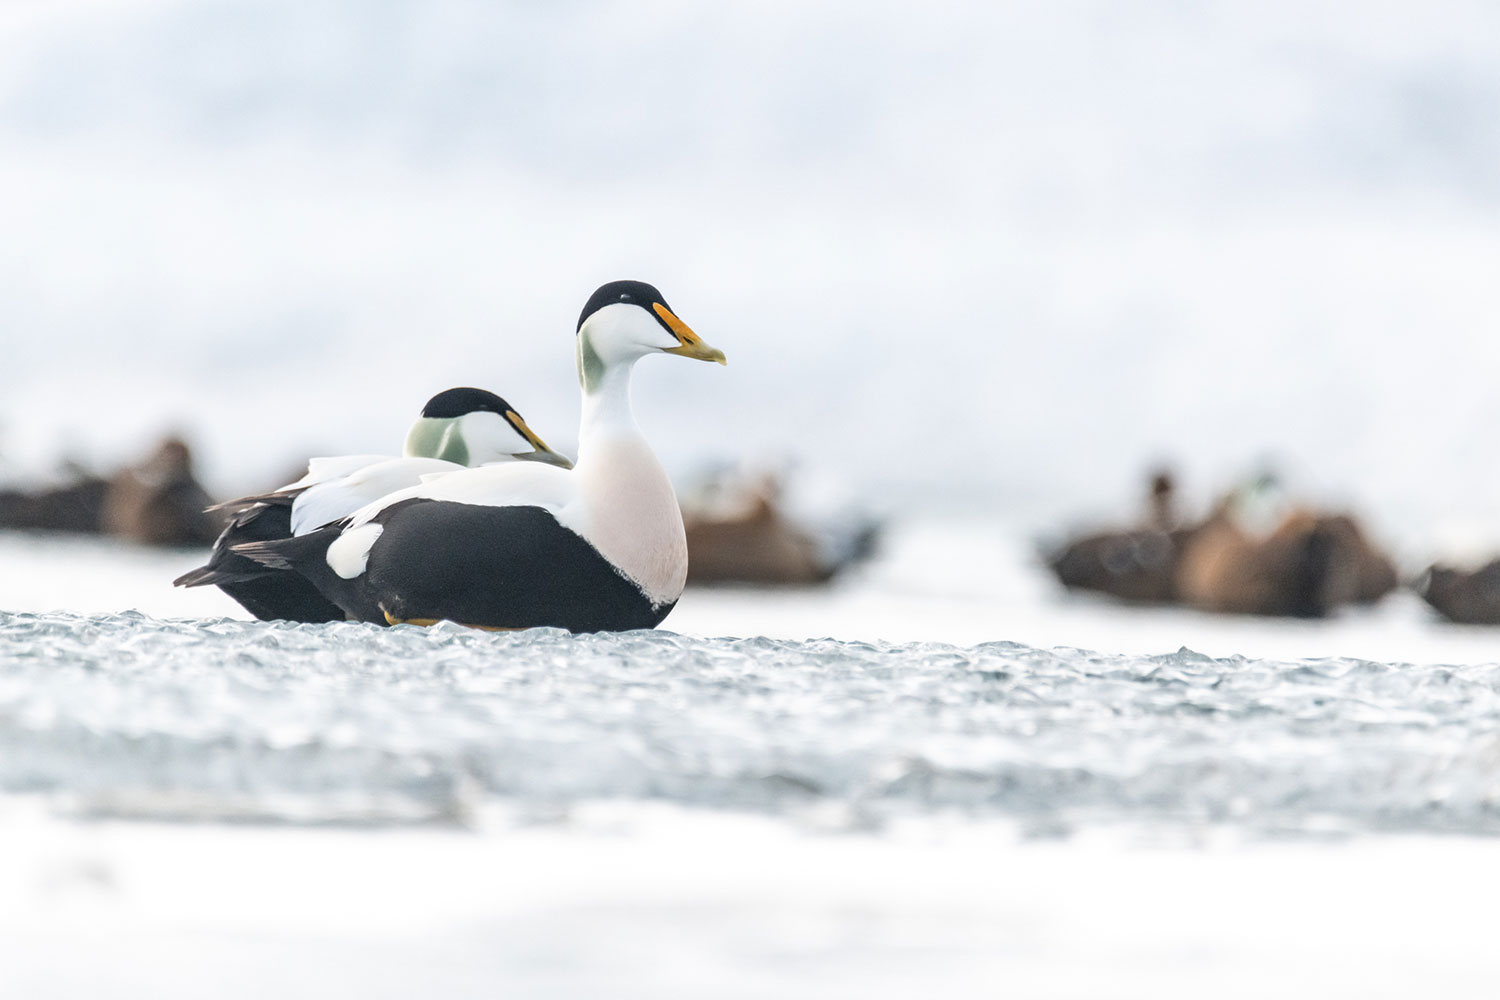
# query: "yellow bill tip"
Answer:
x=690 y=345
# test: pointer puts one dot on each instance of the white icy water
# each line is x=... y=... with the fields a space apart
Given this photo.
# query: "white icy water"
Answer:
x=351 y=810
x=130 y=715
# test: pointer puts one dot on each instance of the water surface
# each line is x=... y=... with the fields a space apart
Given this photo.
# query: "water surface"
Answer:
x=127 y=715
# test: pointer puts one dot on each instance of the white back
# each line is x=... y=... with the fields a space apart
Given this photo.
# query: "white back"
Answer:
x=336 y=499
x=503 y=484
x=321 y=470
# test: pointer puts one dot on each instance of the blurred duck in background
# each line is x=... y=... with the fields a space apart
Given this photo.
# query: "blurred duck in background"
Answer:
x=741 y=529
x=1468 y=598
x=157 y=501
x=1308 y=566
x=1254 y=554
x=1137 y=564
x=75 y=506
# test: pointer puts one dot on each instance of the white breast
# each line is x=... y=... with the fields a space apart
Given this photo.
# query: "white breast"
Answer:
x=626 y=509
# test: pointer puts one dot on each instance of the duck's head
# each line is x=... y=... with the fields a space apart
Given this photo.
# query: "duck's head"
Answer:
x=626 y=320
x=472 y=427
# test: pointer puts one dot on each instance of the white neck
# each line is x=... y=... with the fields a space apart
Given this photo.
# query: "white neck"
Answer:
x=629 y=511
x=607 y=413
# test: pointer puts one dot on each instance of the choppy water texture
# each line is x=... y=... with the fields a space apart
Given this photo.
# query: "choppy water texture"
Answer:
x=129 y=715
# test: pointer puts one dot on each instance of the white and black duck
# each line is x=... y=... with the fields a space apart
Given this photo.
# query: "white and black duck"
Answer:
x=458 y=428
x=598 y=547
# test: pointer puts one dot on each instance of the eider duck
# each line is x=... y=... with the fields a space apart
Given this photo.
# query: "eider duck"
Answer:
x=741 y=530
x=159 y=501
x=596 y=548
x=457 y=428
x=1137 y=564
x=1469 y=598
x=156 y=501
x=1311 y=564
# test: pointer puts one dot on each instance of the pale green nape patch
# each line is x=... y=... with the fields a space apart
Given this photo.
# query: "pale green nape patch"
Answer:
x=590 y=365
x=431 y=437
x=454 y=448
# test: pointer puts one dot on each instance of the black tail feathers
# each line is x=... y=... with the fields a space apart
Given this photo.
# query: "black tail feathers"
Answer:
x=288 y=553
x=224 y=567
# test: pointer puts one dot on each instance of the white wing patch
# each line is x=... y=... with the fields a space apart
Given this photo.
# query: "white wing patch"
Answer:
x=506 y=484
x=350 y=552
x=336 y=499
x=321 y=470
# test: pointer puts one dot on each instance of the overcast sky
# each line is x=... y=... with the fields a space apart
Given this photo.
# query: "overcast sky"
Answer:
x=1007 y=254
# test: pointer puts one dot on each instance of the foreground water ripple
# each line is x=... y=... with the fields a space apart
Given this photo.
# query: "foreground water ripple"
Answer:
x=129 y=715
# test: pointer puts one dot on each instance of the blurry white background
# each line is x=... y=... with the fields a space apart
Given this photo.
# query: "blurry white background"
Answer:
x=998 y=256
x=980 y=262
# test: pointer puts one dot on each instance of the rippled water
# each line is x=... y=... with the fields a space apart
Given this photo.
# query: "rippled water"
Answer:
x=130 y=715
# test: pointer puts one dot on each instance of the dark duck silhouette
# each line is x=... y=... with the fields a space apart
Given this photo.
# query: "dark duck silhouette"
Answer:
x=1309 y=565
x=1135 y=564
x=1468 y=598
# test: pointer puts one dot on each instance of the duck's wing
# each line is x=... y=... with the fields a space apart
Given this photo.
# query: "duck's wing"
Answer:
x=505 y=567
x=319 y=470
x=335 y=558
x=329 y=467
x=336 y=498
x=501 y=484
